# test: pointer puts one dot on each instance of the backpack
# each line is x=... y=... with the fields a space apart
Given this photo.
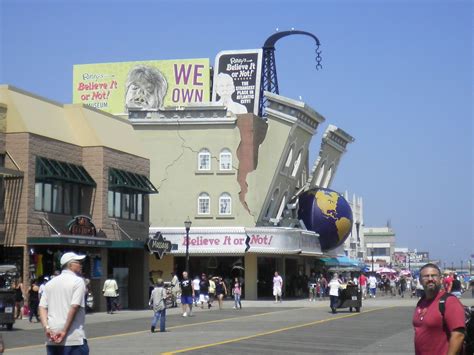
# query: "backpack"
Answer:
x=468 y=345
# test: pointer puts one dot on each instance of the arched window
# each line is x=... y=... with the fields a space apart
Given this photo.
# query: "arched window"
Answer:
x=327 y=180
x=204 y=160
x=271 y=205
x=225 y=204
x=204 y=203
x=320 y=174
x=225 y=160
x=282 y=207
x=296 y=165
x=289 y=158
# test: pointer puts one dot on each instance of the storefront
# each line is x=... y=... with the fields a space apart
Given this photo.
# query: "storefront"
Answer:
x=253 y=254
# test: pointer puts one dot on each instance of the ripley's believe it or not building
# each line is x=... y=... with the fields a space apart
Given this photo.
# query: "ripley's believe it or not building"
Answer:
x=77 y=178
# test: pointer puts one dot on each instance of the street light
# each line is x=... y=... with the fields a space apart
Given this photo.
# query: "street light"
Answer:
x=372 y=253
x=187 y=225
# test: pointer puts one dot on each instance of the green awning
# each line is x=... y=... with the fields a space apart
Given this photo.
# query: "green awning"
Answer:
x=55 y=170
x=81 y=241
x=125 y=180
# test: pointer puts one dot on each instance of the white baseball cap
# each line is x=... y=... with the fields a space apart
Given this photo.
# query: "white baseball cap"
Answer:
x=70 y=256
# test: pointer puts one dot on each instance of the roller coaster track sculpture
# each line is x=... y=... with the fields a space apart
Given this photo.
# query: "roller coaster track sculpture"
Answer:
x=269 y=81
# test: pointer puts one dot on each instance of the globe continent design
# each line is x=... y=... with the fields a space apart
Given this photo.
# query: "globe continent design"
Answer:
x=327 y=213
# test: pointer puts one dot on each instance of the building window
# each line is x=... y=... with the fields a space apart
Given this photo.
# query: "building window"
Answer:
x=327 y=180
x=282 y=207
x=296 y=165
x=225 y=204
x=289 y=158
x=204 y=160
x=204 y=203
x=125 y=205
x=271 y=205
x=320 y=174
x=225 y=160
x=59 y=197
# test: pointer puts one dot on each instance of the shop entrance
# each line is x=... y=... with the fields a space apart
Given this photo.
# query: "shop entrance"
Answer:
x=266 y=267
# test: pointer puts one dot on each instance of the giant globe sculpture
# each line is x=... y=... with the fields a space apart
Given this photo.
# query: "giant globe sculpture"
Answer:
x=327 y=213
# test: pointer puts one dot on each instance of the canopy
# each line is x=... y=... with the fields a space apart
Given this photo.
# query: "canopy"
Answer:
x=386 y=270
x=343 y=261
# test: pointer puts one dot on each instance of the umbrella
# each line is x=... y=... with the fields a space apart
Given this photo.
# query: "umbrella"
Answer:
x=405 y=273
x=386 y=270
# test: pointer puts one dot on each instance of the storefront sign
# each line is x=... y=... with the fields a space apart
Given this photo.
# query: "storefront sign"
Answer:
x=82 y=225
x=159 y=245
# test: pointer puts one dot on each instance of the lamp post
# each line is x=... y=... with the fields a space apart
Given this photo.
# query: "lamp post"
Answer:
x=372 y=253
x=461 y=266
x=187 y=225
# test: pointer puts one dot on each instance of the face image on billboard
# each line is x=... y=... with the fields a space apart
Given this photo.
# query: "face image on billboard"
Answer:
x=149 y=85
x=237 y=80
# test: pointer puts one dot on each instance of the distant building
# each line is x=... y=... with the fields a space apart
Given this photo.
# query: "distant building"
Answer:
x=379 y=245
x=354 y=246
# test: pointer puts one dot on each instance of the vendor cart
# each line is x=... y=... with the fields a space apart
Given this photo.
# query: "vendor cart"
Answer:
x=350 y=297
x=7 y=295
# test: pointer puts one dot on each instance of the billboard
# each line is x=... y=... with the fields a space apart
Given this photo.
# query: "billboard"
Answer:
x=148 y=85
x=236 y=83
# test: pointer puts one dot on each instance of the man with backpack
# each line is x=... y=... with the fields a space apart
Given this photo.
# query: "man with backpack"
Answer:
x=438 y=320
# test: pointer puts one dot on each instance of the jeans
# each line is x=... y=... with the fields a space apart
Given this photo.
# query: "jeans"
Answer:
x=237 y=302
x=161 y=316
x=333 y=302
x=373 y=291
x=110 y=304
x=68 y=350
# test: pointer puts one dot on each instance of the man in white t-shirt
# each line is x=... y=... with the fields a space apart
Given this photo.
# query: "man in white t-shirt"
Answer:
x=372 y=285
x=277 y=286
x=62 y=308
x=196 y=289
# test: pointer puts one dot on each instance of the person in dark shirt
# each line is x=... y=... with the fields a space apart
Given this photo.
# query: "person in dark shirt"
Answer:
x=456 y=288
x=33 y=301
x=203 y=290
x=187 y=295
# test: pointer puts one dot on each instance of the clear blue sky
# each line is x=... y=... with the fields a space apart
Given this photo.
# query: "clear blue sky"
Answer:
x=397 y=75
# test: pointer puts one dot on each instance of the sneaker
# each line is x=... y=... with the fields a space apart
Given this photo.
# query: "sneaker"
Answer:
x=152 y=329
x=234 y=307
x=190 y=314
x=185 y=314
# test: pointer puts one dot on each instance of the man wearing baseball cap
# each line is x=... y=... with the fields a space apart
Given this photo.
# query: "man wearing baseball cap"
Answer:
x=62 y=309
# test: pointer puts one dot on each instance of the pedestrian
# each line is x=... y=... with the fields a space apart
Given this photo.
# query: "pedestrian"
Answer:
x=33 y=300
x=237 y=292
x=436 y=333
x=456 y=287
x=334 y=286
x=62 y=309
x=312 y=281
x=221 y=291
x=277 y=287
x=158 y=304
x=110 y=293
x=212 y=291
x=187 y=295
x=372 y=285
x=196 y=289
x=19 y=298
x=204 y=291
x=323 y=285
x=363 y=285
x=403 y=286
x=174 y=289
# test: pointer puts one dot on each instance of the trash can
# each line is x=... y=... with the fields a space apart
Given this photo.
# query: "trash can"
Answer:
x=7 y=308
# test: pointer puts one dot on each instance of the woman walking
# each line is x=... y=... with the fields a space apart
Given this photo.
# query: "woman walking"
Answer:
x=33 y=301
x=18 y=287
x=221 y=291
x=110 y=293
x=334 y=286
x=237 y=292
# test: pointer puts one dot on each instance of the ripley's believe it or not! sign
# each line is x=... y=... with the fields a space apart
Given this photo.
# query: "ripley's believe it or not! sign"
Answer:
x=150 y=85
x=120 y=87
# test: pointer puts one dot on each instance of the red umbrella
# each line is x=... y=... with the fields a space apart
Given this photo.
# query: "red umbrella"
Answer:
x=386 y=270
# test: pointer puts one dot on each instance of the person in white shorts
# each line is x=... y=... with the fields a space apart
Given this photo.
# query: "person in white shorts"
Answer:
x=277 y=286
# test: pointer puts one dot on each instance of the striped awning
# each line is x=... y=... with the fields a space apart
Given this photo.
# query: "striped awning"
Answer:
x=55 y=170
x=126 y=180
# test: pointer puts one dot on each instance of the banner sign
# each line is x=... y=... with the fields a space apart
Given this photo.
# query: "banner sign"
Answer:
x=236 y=83
x=145 y=85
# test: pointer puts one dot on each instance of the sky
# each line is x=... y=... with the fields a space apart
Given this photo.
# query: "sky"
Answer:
x=397 y=76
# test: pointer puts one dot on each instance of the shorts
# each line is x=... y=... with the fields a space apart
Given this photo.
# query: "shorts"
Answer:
x=203 y=297
x=276 y=291
x=186 y=299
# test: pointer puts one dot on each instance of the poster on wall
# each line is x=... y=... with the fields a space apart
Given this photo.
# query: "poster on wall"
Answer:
x=145 y=85
x=236 y=82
